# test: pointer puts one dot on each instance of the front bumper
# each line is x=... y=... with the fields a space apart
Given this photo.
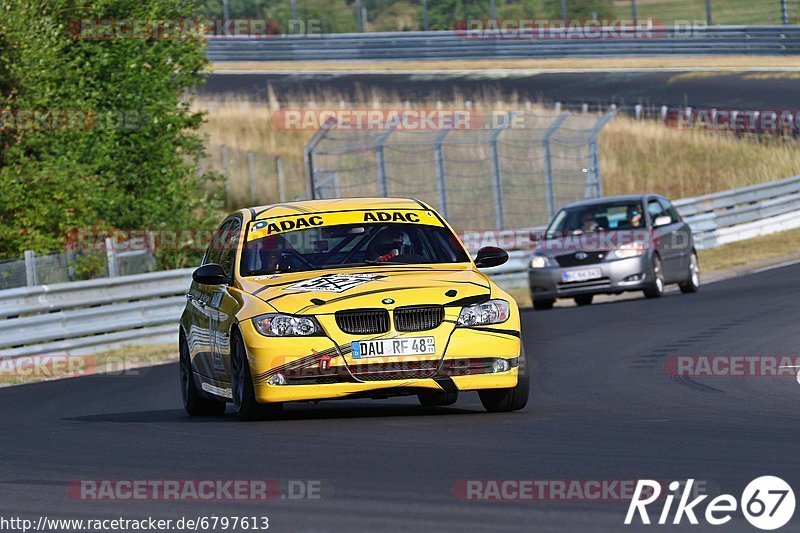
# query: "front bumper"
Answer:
x=318 y=368
x=616 y=276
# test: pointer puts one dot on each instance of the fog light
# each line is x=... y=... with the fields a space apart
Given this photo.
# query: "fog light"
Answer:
x=277 y=379
x=500 y=365
x=634 y=277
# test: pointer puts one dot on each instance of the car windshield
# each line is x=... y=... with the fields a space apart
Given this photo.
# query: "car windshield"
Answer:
x=597 y=217
x=351 y=245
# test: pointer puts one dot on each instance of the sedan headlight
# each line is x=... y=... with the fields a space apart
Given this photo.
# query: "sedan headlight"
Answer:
x=491 y=312
x=633 y=249
x=278 y=325
x=539 y=261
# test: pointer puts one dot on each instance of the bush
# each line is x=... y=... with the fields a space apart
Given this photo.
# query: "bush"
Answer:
x=132 y=163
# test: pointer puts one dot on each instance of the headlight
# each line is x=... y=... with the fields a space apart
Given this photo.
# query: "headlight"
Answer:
x=277 y=325
x=633 y=249
x=491 y=312
x=539 y=261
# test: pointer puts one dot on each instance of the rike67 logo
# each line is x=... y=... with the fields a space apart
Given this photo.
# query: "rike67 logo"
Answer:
x=767 y=503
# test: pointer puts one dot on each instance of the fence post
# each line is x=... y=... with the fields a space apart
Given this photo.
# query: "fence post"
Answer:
x=281 y=183
x=500 y=216
x=251 y=169
x=548 y=164
x=380 y=140
x=438 y=159
x=31 y=277
x=785 y=11
x=225 y=164
x=111 y=256
x=594 y=180
x=424 y=15
x=308 y=156
x=564 y=9
x=633 y=12
x=708 y=12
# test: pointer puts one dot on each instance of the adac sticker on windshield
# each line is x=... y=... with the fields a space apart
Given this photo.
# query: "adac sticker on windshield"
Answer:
x=333 y=282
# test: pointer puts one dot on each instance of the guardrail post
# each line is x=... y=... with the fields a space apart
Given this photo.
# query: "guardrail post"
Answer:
x=111 y=256
x=31 y=277
x=708 y=13
x=594 y=180
x=785 y=11
x=548 y=164
x=424 y=15
x=500 y=217
x=633 y=12
x=441 y=183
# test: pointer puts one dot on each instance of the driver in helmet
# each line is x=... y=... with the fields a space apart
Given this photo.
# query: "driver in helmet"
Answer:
x=387 y=245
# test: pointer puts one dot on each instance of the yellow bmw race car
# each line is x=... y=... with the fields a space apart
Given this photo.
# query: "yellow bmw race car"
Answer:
x=366 y=297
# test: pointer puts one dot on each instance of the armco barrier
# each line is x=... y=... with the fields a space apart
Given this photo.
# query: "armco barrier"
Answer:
x=101 y=314
x=443 y=45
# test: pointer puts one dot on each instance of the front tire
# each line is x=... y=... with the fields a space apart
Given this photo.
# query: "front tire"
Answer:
x=584 y=299
x=193 y=402
x=692 y=283
x=543 y=305
x=242 y=388
x=656 y=287
x=513 y=399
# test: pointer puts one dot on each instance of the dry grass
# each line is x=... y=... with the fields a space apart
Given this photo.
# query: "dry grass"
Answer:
x=706 y=62
x=636 y=156
x=767 y=248
x=647 y=156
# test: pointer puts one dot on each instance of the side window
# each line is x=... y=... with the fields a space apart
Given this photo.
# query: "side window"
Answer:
x=671 y=211
x=230 y=240
x=655 y=209
x=212 y=253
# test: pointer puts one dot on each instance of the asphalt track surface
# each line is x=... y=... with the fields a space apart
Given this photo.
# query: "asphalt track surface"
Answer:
x=728 y=90
x=603 y=408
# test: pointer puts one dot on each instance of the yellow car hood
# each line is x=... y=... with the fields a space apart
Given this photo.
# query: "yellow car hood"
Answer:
x=328 y=291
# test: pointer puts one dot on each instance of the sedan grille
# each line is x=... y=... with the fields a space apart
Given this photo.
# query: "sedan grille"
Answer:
x=363 y=321
x=418 y=318
x=581 y=258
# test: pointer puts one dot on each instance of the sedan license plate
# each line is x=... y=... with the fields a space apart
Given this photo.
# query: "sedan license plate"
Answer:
x=585 y=274
x=392 y=347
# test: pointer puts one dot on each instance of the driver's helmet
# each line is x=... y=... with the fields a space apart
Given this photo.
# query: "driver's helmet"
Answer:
x=390 y=242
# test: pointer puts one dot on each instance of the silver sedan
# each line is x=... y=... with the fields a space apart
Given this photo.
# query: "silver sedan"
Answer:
x=611 y=245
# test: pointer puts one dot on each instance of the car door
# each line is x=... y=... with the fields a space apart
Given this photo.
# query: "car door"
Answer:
x=683 y=243
x=663 y=238
x=200 y=300
x=223 y=306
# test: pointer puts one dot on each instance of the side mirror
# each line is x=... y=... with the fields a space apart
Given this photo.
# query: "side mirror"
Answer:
x=490 y=256
x=210 y=274
x=663 y=220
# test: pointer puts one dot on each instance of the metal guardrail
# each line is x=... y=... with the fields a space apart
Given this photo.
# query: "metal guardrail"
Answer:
x=440 y=45
x=86 y=316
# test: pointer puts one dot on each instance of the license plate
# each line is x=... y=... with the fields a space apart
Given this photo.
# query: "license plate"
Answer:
x=392 y=347
x=581 y=275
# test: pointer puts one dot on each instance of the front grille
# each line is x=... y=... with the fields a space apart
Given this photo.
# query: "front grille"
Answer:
x=418 y=318
x=363 y=321
x=398 y=370
x=592 y=258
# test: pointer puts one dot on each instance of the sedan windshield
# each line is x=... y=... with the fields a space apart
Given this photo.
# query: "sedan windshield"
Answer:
x=597 y=217
x=351 y=245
